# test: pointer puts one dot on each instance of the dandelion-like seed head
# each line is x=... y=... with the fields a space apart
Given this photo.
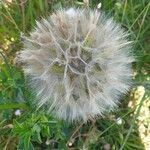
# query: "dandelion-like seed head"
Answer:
x=78 y=62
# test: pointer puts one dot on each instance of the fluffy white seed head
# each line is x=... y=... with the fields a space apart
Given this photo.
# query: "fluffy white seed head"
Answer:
x=78 y=62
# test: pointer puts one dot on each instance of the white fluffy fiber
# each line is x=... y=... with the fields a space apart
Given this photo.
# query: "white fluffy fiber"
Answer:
x=78 y=62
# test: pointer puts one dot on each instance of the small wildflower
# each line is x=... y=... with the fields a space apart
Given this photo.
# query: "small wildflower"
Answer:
x=119 y=121
x=18 y=112
x=99 y=5
x=78 y=62
x=69 y=144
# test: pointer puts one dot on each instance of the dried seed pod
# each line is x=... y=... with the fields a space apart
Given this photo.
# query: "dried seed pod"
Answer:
x=78 y=62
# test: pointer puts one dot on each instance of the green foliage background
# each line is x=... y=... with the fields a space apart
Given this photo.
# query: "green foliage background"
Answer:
x=36 y=130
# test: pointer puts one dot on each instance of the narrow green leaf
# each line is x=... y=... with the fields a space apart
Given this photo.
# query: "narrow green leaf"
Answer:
x=12 y=106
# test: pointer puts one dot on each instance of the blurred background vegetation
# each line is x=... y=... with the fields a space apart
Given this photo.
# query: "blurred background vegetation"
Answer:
x=22 y=128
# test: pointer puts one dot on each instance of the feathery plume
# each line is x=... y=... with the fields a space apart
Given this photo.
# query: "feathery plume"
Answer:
x=78 y=62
